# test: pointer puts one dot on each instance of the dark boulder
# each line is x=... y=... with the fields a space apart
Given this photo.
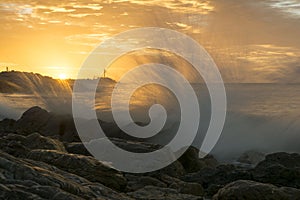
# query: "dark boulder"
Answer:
x=220 y=175
x=281 y=169
x=192 y=163
x=32 y=120
x=212 y=179
x=289 y=160
x=39 y=120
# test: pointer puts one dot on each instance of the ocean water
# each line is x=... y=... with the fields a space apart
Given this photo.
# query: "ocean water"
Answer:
x=262 y=117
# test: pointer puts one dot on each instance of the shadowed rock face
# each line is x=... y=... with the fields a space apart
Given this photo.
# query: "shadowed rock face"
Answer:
x=191 y=162
x=48 y=124
x=250 y=190
x=59 y=126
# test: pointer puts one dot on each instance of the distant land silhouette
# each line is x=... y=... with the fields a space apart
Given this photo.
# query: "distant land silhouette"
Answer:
x=32 y=83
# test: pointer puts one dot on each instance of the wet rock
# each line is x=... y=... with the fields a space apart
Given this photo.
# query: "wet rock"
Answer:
x=251 y=157
x=191 y=162
x=281 y=169
x=84 y=166
x=28 y=179
x=77 y=148
x=250 y=190
x=158 y=193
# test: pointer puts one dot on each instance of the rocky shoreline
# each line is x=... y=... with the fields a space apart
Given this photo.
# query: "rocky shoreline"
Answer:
x=43 y=158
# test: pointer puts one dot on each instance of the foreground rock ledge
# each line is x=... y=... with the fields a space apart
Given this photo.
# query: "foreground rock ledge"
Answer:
x=83 y=166
x=28 y=179
x=250 y=190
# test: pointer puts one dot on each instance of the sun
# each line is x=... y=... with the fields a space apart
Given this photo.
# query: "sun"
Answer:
x=62 y=76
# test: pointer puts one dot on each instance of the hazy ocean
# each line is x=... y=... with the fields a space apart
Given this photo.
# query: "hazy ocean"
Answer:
x=263 y=117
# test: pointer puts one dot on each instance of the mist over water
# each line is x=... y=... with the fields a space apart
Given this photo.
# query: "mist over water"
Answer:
x=262 y=117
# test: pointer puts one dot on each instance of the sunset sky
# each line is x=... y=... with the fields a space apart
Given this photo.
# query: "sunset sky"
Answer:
x=251 y=41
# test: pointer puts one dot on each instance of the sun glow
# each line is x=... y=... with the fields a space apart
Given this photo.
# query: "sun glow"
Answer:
x=62 y=76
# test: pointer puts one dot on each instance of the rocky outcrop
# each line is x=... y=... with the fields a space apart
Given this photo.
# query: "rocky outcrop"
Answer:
x=47 y=124
x=250 y=190
x=191 y=162
x=36 y=141
x=31 y=83
x=281 y=169
x=60 y=126
x=20 y=146
x=84 y=166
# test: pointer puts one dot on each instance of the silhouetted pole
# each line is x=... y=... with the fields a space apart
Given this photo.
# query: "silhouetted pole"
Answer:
x=104 y=73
